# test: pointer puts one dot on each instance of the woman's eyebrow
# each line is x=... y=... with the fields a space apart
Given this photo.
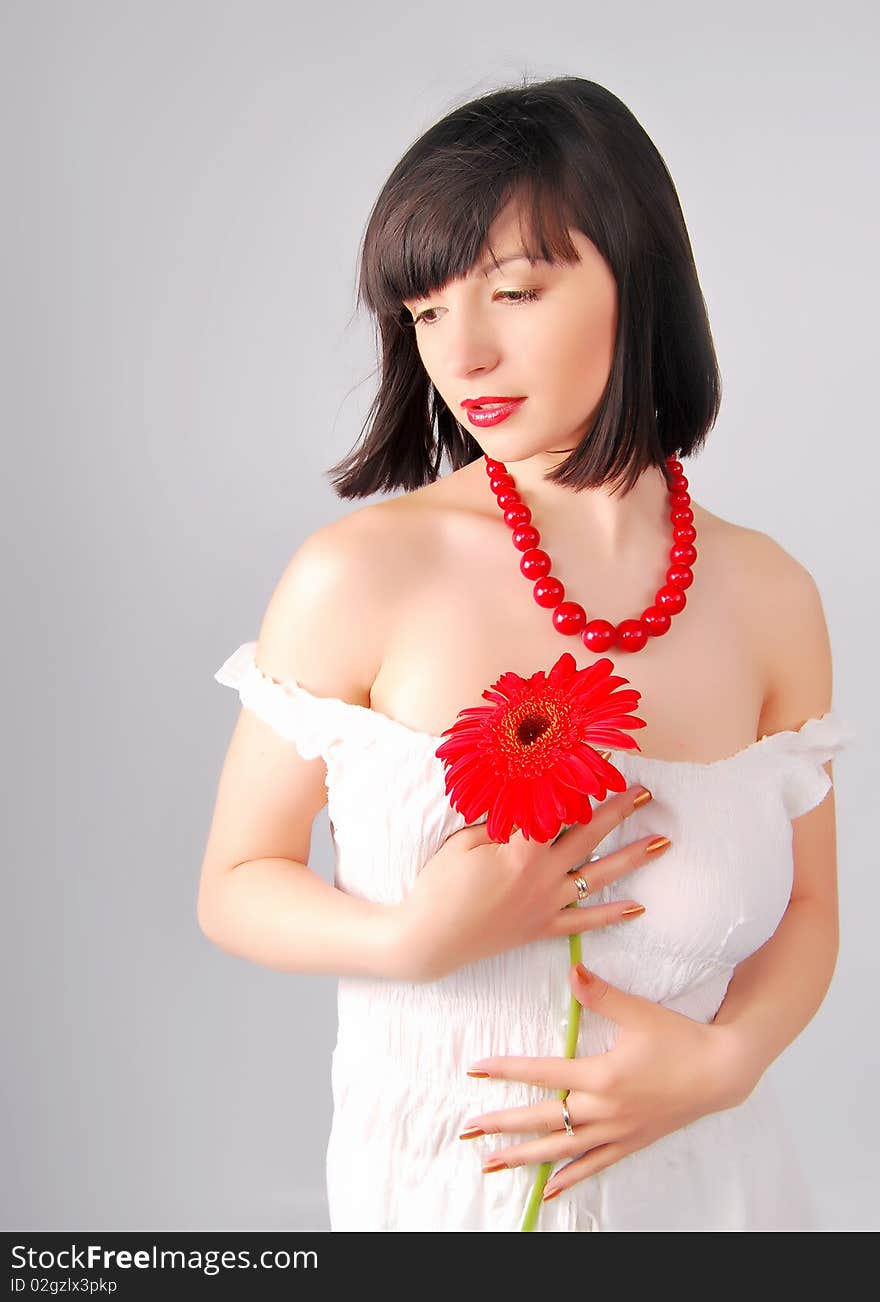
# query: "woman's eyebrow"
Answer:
x=520 y=256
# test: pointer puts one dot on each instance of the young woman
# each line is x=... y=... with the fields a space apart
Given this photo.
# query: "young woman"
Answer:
x=539 y=311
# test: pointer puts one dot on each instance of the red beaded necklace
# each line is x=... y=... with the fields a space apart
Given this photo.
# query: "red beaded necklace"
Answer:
x=569 y=617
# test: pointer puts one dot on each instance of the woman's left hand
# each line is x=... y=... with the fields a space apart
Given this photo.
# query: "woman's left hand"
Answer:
x=664 y=1071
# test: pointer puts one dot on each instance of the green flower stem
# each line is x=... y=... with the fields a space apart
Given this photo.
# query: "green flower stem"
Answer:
x=530 y=1219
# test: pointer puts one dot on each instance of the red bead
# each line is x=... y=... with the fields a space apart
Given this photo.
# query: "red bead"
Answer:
x=497 y=482
x=599 y=635
x=684 y=533
x=681 y=515
x=671 y=599
x=675 y=467
x=549 y=592
x=656 y=622
x=680 y=576
x=569 y=617
x=525 y=536
x=683 y=554
x=678 y=484
x=535 y=564
x=495 y=467
x=680 y=499
x=631 y=635
x=517 y=513
x=507 y=497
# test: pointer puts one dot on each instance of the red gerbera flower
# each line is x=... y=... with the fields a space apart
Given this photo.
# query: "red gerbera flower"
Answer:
x=530 y=758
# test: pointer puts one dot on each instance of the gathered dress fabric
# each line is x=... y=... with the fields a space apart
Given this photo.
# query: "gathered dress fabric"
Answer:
x=394 y=1160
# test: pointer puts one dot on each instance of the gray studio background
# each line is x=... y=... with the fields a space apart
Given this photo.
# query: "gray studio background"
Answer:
x=185 y=189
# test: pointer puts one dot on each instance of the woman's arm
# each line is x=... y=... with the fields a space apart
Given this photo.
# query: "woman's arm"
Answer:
x=777 y=990
x=258 y=897
x=281 y=914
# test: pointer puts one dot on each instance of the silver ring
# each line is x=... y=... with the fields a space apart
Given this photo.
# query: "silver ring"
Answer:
x=583 y=889
x=566 y=1117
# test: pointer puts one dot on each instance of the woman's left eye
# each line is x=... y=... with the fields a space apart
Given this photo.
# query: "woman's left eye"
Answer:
x=524 y=295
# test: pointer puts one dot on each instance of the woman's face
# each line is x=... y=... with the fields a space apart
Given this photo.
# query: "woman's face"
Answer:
x=544 y=332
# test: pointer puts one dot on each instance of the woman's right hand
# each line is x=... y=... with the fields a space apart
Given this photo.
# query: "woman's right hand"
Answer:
x=476 y=898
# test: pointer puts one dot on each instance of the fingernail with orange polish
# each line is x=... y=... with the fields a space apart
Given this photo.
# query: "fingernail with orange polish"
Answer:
x=658 y=845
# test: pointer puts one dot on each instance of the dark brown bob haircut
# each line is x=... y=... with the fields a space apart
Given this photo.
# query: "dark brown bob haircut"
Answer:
x=568 y=153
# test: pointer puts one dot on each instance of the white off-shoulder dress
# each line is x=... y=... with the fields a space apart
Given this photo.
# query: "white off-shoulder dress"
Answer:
x=400 y=1089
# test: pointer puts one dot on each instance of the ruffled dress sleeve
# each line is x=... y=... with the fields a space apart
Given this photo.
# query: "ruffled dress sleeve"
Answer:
x=312 y=723
x=805 y=751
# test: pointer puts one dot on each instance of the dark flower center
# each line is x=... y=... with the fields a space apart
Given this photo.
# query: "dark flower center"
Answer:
x=531 y=727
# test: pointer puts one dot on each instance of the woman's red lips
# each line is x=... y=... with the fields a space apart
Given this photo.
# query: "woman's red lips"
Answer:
x=481 y=402
x=481 y=413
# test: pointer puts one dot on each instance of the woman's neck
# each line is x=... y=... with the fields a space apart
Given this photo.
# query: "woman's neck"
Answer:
x=614 y=526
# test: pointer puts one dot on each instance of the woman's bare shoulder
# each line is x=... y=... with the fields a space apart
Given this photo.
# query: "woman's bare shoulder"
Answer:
x=324 y=624
x=750 y=551
x=328 y=618
x=776 y=595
